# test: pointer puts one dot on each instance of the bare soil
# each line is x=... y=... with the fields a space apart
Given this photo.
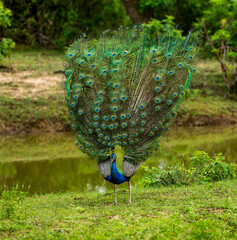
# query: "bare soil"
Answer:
x=22 y=84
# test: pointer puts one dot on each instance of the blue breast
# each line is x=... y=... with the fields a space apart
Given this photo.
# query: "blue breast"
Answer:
x=116 y=177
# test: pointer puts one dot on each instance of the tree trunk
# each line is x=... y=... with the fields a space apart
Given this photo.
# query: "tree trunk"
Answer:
x=225 y=75
x=135 y=15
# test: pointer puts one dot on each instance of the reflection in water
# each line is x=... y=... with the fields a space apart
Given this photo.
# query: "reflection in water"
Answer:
x=50 y=162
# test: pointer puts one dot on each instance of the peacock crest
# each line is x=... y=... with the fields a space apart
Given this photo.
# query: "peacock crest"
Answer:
x=125 y=89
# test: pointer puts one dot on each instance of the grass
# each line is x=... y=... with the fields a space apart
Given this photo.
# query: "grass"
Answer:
x=209 y=106
x=32 y=99
x=207 y=211
x=38 y=61
x=29 y=115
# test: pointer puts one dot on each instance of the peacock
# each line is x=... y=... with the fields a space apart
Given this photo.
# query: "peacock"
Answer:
x=124 y=89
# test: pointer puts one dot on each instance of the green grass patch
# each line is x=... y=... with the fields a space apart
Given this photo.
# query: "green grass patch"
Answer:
x=207 y=211
x=41 y=60
x=209 y=106
x=27 y=114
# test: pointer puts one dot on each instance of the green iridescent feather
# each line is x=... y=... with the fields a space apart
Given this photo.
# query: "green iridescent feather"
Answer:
x=125 y=90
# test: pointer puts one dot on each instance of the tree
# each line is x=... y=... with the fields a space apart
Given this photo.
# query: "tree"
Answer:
x=131 y=8
x=57 y=23
x=185 y=12
x=220 y=26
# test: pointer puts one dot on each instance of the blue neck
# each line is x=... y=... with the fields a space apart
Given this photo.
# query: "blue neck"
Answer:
x=116 y=177
x=114 y=171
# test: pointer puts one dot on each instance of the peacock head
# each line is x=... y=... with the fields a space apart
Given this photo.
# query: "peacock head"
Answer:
x=113 y=156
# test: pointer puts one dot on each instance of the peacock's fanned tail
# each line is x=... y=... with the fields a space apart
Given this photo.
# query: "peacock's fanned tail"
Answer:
x=125 y=89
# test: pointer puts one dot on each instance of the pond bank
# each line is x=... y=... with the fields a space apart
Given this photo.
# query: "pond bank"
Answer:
x=206 y=211
x=50 y=114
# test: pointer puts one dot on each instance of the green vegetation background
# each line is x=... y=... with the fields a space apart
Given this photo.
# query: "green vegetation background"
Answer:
x=41 y=30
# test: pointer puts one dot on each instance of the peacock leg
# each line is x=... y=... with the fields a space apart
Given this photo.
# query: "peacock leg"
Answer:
x=115 y=197
x=130 y=188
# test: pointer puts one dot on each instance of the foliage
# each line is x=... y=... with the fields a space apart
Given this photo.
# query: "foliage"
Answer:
x=12 y=201
x=185 y=12
x=165 y=26
x=6 y=44
x=202 y=168
x=213 y=169
x=57 y=23
x=220 y=26
x=5 y=15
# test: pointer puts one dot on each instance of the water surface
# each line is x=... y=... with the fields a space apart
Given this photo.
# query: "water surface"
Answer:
x=51 y=162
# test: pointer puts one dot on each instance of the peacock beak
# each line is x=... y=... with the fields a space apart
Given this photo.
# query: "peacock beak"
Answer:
x=112 y=160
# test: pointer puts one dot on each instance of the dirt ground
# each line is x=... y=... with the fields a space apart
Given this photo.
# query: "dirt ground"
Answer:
x=22 y=84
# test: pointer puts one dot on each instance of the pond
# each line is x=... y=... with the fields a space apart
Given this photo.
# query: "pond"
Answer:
x=51 y=162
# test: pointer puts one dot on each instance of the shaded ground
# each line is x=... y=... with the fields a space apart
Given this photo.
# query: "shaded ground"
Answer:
x=31 y=95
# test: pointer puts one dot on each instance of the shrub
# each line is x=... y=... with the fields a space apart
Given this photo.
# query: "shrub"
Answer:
x=165 y=26
x=202 y=168
x=6 y=44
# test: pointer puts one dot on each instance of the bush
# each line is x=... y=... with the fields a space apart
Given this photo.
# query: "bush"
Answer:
x=202 y=168
x=6 y=44
x=165 y=26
